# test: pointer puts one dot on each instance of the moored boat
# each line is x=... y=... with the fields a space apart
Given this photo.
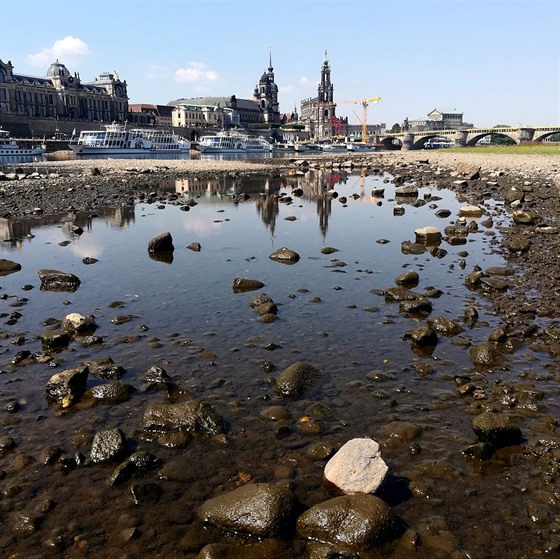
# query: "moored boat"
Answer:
x=230 y=142
x=356 y=146
x=117 y=140
x=9 y=148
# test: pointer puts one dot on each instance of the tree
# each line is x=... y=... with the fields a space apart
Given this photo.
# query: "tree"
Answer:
x=396 y=129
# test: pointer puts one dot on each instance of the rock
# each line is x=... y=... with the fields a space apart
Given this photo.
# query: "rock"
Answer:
x=351 y=523
x=517 y=243
x=408 y=247
x=470 y=211
x=406 y=191
x=104 y=368
x=445 y=327
x=112 y=392
x=195 y=247
x=77 y=323
x=514 y=195
x=285 y=256
x=263 y=305
x=428 y=236
x=161 y=243
x=55 y=340
x=443 y=213
x=472 y=279
x=424 y=335
x=136 y=463
x=494 y=283
x=8 y=267
x=259 y=509
x=67 y=384
x=191 y=416
x=295 y=378
x=266 y=549
x=54 y=280
x=468 y=171
x=409 y=278
x=241 y=285
x=108 y=445
x=498 y=429
x=485 y=354
x=357 y=467
x=328 y=250
x=522 y=217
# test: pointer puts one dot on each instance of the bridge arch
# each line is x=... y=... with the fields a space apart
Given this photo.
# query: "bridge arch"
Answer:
x=392 y=143
x=477 y=137
x=542 y=137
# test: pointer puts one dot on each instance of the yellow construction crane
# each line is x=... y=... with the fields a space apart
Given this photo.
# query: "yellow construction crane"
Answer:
x=364 y=102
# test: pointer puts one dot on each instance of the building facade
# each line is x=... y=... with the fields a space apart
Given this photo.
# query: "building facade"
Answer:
x=319 y=113
x=437 y=120
x=62 y=95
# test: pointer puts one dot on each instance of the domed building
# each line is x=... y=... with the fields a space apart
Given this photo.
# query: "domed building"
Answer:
x=266 y=95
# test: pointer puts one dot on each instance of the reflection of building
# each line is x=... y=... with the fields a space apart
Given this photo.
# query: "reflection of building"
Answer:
x=319 y=113
x=62 y=95
x=437 y=120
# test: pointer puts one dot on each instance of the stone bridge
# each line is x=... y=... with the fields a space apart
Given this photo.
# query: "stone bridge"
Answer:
x=468 y=137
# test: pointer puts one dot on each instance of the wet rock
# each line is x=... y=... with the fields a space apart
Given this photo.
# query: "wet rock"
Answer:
x=320 y=451
x=156 y=378
x=523 y=217
x=241 y=285
x=406 y=191
x=146 y=493
x=357 y=467
x=472 y=280
x=79 y=324
x=398 y=211
x=8 y=267
x=328 y=250
x=424 y=335
x=295 y=378
x=67 y=384
x=89 y=260
x=351 y=523
x=137 y=463
x=408 y=247
x=54 y=280
x=104 y=368
x=55 y=340
x=108 y=445
x=161 y=243
x=494 y=284
x=112 y=393
x=445 y=327
x=259 y=509
x=497 y=429
x=192 y=416
x=485 y=354
x=195 y=247
x=285 y=256
x=409 y=278
x=429 y=236
x=263 y=304
x=470 y=211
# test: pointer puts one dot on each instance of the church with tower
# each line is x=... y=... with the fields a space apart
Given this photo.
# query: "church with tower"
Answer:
x=266 y=95
x=319 y=113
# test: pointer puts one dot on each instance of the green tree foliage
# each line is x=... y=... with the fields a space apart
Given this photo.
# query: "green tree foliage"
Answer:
x=396 y=129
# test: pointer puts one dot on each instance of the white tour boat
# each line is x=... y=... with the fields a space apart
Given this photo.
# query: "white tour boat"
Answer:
x=356 y=146
x=226 y=142
x=10 y=149
x=117 y=140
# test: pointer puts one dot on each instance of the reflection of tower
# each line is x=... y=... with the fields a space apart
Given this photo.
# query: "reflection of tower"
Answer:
x=267 y=206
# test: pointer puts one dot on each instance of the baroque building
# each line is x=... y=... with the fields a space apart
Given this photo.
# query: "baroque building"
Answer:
x=62 y=95
x=319 y=113
x=266 y=95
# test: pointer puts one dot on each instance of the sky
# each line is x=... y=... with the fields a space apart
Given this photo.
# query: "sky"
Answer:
x=496 y=61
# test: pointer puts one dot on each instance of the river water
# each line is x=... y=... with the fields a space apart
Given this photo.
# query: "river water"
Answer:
x=183 y=315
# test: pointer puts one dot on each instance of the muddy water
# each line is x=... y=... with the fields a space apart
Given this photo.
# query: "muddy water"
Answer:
x=184 y=316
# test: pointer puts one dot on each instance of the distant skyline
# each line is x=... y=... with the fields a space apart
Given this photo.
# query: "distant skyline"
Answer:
x=496 y=61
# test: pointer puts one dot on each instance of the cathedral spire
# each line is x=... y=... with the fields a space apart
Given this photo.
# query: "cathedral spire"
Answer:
x=270 y=59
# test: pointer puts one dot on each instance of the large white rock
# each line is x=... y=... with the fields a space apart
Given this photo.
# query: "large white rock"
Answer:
x=357 y=467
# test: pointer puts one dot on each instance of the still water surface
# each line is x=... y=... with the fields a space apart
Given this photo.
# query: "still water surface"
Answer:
x=185 y=317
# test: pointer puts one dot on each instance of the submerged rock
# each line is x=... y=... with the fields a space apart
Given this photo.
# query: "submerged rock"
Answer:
x=194 y=416
x=104 y=368
x=498 y=429
x=8 y=267
x=357 y=467
x=54 y=280
x=351 y=523
x=241 y=285
x=295 y=378
x=161 y=243
x=260 y=509
x=79 y=324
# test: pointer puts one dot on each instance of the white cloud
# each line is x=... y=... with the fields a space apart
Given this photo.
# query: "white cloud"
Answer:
x=195 y=73
x=304 y=80
x=286 y=88
x=67 y=51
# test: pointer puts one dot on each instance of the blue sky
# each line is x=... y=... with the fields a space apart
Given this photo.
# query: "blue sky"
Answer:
x=497 y=61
